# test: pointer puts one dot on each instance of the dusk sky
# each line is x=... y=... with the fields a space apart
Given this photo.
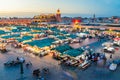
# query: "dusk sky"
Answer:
x=29 y=8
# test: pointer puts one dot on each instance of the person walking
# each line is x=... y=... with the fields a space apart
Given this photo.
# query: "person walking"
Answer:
x=27 y=65
x=111 y=56
x=17 y=58
x=30 y=63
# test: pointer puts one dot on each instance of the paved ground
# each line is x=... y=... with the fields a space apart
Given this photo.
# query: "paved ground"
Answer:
x=57 y=72
x=85 y=42
x=13 y=73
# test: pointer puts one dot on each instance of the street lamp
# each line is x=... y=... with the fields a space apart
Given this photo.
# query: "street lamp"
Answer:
x=21 y=65
x=21 y=69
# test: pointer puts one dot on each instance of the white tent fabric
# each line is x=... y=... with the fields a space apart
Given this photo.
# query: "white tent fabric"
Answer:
x=81 y=34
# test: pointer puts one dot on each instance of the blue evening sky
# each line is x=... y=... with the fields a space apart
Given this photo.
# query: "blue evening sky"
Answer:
x=67 y=7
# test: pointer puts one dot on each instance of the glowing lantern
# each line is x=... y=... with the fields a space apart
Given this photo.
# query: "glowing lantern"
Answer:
x=110 y=29
x=76 y=21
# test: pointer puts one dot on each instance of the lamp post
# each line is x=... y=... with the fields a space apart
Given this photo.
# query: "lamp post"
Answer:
x=21 y=69
x=21 y=66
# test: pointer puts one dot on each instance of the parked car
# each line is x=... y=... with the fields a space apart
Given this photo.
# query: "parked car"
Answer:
x=116 y=43
x=113 y=67
x=11 y=63
x=14 y=62
x=109 y=49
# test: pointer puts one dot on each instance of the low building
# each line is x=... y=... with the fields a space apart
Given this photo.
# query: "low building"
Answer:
x=15 y=21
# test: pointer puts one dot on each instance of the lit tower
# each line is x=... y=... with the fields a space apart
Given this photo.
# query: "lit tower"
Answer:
x=58 y=15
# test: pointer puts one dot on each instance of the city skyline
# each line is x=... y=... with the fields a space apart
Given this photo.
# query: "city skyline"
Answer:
x=85 y=8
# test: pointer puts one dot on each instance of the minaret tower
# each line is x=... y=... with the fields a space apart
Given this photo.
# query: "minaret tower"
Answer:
x=58 y=15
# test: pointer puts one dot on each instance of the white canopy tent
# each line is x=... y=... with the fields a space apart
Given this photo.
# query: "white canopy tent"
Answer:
x=81 y=34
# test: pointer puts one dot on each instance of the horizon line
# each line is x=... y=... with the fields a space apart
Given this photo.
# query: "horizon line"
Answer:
x=32 y=14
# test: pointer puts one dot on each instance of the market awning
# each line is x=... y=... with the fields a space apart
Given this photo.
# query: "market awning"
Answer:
x=117 y=39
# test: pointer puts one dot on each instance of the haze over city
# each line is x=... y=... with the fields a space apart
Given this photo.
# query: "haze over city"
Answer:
x=85 y=8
